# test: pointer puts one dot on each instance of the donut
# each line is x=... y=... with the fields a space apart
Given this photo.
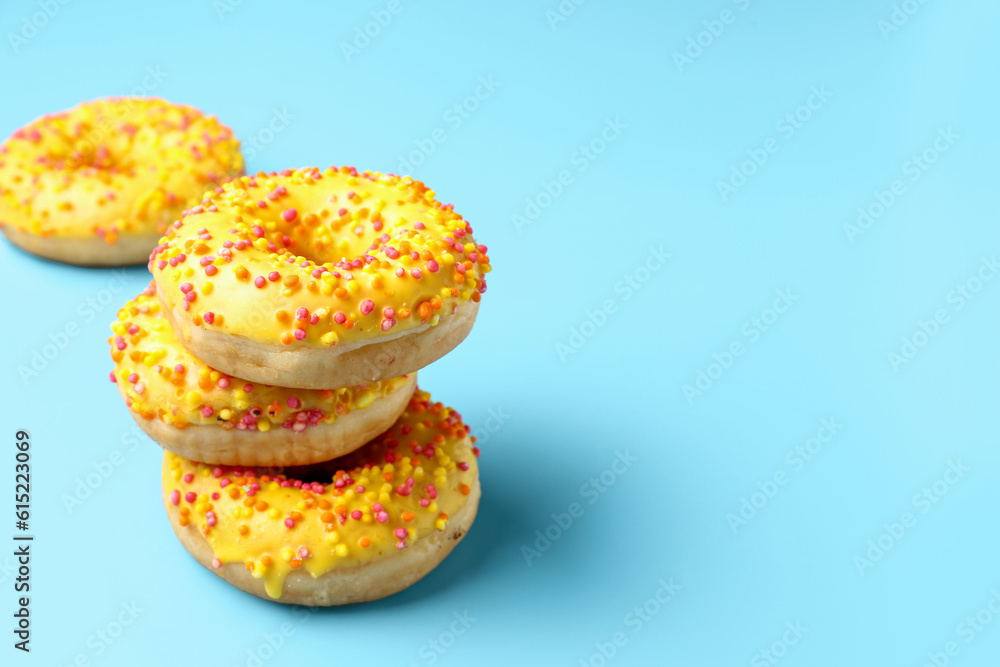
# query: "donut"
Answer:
x=355 y=529
x=98 y=184
x=199 y=413
x=310 y=279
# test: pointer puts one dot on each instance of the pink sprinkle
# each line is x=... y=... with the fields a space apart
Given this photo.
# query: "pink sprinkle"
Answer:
x=388 y=324
x=289 y=522
x=179 y=368
x=463 y=466
x=400 y=533
x=259 y=281
x=224 y=482
x=392 y=253
x=303 y=552
x=400 y=271
x=207 y=411
x=188 y=478
x=211 y=270
x=342 y=211
x=186 y=287
x=133 y=378
x=216 y=472
x=216 y=563
x=112 y=377
x=289 y=214
x=367 y=306
x=356 y=514
x=274 y=276
x=294 y=403
x=209 y=317
x=175 y=497
x=190 y=296
x=418 y=225
x=190 y=496
x=359 y=489
x=389 y=313
x=340 y=318
x=432 y=266
x=300 y=334
x=302 y=313
x=416 y=273
x=248 y=387
x=382 y=517
x=223 y=383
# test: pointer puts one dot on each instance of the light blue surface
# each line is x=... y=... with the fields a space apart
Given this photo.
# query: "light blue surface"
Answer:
x=879 y=98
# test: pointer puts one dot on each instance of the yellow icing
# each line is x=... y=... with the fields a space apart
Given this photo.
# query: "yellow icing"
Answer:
x=115 y=166
x=147 y=355
x=252 y=529
x=292 y=238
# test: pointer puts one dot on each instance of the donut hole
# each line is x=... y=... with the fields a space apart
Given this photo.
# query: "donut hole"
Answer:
x=93 y=150
x=323 y=236
x=324 y=473
x=335 y=228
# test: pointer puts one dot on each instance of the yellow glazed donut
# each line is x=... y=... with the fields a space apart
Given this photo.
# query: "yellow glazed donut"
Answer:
x=202 y=414
x=313 y=278
x=98 y=184
x=356 y=529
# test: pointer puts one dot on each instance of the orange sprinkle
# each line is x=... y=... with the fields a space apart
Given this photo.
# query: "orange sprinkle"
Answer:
x=407 y=516
x=365 y=542
x=464 y=488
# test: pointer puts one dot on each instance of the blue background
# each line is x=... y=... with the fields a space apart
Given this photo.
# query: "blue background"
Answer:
x=572 y=394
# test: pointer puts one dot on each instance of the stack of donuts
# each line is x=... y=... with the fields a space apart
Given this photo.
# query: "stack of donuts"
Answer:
x=274 y=357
